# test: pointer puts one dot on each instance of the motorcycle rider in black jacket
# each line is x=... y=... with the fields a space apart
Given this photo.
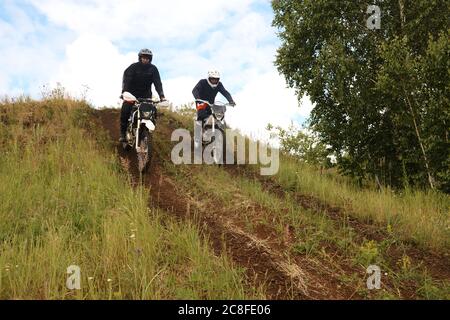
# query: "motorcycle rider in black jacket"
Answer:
x=207 y=90
x=137 y=80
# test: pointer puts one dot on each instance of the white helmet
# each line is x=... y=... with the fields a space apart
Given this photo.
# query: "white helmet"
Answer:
x=213 y=74
x=146 y=52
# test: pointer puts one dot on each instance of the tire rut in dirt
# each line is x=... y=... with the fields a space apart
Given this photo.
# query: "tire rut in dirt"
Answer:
x=262 y=266
x=280 y=279
x=436 y=263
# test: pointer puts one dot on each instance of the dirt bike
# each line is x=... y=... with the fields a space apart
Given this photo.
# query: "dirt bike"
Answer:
x=141 y=124
x=215 y=122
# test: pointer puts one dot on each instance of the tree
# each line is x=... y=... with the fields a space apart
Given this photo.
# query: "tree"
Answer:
x=301 y=144
x=381 y=96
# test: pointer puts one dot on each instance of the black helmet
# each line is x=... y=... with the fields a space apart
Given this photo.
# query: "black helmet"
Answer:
x=145 y=52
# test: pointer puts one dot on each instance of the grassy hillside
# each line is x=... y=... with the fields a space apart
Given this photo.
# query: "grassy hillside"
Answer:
x=69 y=197
x=327 y=224
x=65 y=200
x=420 y=217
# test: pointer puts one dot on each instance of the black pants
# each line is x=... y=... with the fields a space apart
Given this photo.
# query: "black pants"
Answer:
x=124 y=116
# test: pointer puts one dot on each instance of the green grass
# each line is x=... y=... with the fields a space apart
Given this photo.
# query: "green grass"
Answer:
x=413 y=217
x=417 y=216
x=65 y=201
x=314 y=231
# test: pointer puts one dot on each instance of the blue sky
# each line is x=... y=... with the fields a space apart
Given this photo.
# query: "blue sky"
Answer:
x=82 y=43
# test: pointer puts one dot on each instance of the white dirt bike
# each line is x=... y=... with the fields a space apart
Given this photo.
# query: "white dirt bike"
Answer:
x=141 y=125
x=215 y=122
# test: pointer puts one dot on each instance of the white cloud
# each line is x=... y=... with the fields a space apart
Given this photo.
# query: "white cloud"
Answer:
x=118 y=19
x=29 y=51
x=187 y=37
x=179 y=90
x=94 y=62
x=265 y=100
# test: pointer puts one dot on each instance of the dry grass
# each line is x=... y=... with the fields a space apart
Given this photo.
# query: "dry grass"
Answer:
x=66 y=201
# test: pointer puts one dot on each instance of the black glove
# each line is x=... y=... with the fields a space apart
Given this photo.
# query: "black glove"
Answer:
x=232 y=103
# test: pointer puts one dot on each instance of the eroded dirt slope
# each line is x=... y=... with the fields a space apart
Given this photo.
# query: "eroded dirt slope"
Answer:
x=260 y=250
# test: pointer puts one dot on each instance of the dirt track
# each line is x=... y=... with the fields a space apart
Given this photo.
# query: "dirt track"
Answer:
x=437 y=264
x=264 y=262
x=265 y=266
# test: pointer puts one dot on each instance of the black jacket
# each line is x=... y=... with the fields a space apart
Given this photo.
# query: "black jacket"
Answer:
x=138 y=79
x=204 y=91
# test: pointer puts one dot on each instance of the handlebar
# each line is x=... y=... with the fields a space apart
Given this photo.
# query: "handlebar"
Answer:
x=126 y=96
x=215 y=103
x=141 y=100
x=146 y=100
x=156 y=102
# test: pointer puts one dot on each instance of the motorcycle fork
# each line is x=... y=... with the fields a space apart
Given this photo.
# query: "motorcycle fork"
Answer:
x=137 y=131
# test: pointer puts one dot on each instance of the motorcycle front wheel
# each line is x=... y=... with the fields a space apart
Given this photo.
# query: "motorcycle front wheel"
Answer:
x=144 y=153
x=219 y=150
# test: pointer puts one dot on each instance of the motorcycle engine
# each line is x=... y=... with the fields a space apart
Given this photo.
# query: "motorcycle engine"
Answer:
x=148 y=111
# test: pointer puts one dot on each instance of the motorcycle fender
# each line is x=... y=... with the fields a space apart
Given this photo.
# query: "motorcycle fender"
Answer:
x=149 y=124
